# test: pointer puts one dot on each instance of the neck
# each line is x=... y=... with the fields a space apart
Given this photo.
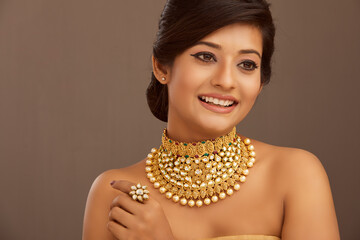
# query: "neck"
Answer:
x=193 y=133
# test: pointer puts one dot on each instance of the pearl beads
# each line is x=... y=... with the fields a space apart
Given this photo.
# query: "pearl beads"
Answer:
x=242 y=178
x=168 y=195
x=207 y=201
x=222 y=195
x=191 y=203
x=214 y=198
x=175 y=198
x=183 y=201
x=199 y=203
x=247 y=141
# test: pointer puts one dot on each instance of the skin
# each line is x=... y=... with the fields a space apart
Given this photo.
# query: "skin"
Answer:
x=287 y=193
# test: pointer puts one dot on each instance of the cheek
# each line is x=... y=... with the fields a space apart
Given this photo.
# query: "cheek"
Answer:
x=250 y=89
x=185 y=80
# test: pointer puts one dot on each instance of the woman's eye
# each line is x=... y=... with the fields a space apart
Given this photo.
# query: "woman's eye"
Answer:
x=205 y=57
x=248 y=65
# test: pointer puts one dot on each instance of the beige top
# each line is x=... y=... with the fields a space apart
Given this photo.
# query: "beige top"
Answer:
x=245 y=237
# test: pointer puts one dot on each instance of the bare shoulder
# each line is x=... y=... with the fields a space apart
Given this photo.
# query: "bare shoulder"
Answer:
x=308 y=203
x=289 y=163
x=126 y=173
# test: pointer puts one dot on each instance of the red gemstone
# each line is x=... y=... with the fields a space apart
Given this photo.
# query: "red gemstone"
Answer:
x=197 y=156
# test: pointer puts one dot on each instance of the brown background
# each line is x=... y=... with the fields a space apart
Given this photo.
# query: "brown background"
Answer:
x=72 y=104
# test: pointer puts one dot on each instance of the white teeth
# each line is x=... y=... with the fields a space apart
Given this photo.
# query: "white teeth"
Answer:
x=217 y=101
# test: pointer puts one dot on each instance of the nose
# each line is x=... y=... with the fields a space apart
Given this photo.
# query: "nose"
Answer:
x=224 y=77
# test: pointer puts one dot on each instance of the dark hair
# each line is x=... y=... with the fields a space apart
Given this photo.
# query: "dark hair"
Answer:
x=184 y=22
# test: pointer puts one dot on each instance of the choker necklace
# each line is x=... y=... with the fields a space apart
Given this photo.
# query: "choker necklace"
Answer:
x=200 y=173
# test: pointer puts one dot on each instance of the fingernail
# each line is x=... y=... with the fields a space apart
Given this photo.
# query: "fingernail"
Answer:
x=112 y=183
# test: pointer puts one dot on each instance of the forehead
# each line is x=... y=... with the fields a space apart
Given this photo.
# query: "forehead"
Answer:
x=237 y=35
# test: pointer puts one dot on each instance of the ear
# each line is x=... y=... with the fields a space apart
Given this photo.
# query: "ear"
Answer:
x=160 y=71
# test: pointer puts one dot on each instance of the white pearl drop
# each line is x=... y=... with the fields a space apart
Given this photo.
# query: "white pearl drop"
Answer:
x=191 y=203
x=175 y=198
x=222 y=195
x=183 y=201
x=168 y=195
x=242 y=178
x=214 y=199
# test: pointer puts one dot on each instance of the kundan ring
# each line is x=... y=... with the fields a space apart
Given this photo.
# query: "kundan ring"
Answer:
x=139 y=193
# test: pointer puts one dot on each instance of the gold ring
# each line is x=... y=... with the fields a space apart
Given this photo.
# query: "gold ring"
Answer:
x=139 y=193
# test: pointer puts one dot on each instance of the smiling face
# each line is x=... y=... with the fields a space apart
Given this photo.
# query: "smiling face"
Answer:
x=213 y=85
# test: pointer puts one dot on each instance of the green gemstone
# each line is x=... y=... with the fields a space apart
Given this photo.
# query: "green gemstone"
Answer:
x=229 y=144
x=186 y=156
x=170 y=141
x=203 y=142
x=185 y=144
x=206 y=154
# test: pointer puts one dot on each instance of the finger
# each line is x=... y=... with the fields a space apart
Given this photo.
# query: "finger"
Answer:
x=125 y=202
x=118 y=231
x=121 y=216
x=122 y=185
x=128 y=187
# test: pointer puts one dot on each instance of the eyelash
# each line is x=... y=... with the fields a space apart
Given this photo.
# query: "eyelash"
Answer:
x=253 y=65
x=197 y=55
x=212 y=56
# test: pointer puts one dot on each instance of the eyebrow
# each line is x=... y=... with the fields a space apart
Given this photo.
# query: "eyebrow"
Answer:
x=217 y=46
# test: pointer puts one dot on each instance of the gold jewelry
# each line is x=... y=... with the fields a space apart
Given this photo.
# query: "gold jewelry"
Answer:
x=200 y=173
x=139 y=193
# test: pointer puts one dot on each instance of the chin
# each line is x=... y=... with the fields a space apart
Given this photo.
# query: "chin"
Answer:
x=218 y=128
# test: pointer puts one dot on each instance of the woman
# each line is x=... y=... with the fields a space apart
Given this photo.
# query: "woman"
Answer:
x=211 y=59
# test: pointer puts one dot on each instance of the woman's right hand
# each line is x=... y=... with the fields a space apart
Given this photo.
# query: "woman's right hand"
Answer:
x=129 y=219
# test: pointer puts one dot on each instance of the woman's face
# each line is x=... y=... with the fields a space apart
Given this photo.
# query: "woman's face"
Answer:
x=214 y=84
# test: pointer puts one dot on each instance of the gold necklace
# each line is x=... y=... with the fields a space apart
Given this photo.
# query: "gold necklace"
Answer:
x=200 y=172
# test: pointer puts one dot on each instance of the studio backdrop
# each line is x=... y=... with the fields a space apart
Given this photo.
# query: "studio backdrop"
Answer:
x=73 y=76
